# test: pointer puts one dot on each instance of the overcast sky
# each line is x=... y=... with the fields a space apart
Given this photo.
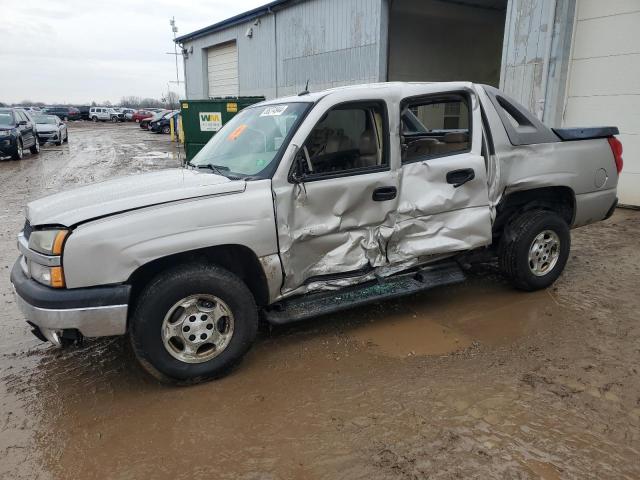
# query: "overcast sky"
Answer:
x=76 y=51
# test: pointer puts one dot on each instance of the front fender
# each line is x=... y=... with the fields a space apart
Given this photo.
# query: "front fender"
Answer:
x=109 y=250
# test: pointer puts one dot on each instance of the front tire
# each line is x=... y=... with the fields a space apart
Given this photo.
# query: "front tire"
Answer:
x=19 y=152
x=193 y=323
x=94 y=119
x=166 y=129
x=35 y=148
x=534 y=249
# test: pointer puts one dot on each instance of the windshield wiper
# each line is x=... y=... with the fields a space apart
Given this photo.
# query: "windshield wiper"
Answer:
x=215 y=168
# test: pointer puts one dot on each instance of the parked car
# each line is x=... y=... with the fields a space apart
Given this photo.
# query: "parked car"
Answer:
x=140 y=115
x=17 y=133
x=31 y=109
x=64 y=113
x=128 y=113
x=51 y=129
x=307 y=205
x=162 y=124
x=105 y=114
x=84 y=111
x=144 y=123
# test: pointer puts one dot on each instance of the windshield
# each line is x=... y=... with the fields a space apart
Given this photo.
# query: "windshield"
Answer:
x=6 y=118
x=248 y=144
x=45 y=119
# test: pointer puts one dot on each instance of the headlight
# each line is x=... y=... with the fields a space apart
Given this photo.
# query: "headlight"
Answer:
x=5 y=133
x=50 y=276
x=48 y=242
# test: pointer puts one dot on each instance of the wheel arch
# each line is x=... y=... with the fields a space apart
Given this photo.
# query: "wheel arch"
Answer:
x=558 y=199
x=238 y=259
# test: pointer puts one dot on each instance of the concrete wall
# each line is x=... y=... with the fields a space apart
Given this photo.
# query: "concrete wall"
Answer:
x=328 y=42
x=439 y=41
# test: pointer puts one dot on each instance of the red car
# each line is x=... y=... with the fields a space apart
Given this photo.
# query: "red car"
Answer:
x=140 y=115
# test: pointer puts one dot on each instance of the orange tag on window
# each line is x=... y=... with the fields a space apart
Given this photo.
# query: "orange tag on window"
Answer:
x=237 y=132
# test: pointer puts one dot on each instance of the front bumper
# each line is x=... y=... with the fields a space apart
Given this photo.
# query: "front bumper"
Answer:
x=45 y=137
x=7 y=145
x=94 y=311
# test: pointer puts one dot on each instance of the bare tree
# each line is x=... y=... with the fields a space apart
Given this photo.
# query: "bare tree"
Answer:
x=171 y=100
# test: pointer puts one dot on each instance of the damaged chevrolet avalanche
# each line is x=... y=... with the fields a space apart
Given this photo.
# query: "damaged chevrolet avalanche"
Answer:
x=305 y=205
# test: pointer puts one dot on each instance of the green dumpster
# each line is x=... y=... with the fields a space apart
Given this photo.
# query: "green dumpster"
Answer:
x=201 y=119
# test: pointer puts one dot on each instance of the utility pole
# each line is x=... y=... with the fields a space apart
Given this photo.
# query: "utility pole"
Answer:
x=175 y=53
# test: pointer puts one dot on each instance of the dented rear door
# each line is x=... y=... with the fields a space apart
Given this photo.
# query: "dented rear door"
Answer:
x=443 y=204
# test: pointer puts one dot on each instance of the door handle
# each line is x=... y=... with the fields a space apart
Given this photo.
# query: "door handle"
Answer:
x=382 y=194
x=460 y=177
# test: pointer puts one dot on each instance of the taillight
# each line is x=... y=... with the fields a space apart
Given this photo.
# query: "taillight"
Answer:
x=616 y=148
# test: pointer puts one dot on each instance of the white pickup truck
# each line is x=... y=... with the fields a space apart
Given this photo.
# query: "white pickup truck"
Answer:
x=305 y=205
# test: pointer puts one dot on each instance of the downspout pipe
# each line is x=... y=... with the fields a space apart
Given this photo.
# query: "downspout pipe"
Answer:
x=547 y=60
x=275 y=48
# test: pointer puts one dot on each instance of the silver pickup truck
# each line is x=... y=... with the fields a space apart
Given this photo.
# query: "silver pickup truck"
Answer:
x=305 y=205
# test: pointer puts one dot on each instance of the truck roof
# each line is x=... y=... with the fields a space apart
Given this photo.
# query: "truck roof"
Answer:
x=361 y=91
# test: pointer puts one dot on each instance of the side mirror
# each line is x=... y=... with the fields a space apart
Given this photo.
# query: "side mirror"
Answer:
x=298 y=170
x=22 y=122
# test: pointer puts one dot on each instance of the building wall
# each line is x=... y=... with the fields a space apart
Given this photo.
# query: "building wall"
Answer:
x=256 y=66
x=436 y=41
x=604 y=79
x=328 y=42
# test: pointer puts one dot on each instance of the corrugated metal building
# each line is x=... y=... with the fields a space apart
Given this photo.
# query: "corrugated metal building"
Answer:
x=572 y=62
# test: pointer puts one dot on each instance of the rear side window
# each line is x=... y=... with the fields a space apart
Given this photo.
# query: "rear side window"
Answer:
x=435 y=126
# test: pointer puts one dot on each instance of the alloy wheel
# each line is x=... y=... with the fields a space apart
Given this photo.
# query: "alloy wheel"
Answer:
x=197 y=328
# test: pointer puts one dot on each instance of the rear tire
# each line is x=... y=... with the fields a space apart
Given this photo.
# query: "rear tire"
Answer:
x=534 y=249
x=166 y=129
x=159 y=321
x=94 y=119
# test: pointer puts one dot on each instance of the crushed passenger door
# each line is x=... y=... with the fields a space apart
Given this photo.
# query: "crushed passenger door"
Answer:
x=333 y=212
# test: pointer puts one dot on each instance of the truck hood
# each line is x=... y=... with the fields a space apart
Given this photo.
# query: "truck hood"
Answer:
x=128 y=193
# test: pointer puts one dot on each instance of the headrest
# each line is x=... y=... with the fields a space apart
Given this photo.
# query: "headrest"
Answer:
x=455 y=137
x=368 y=144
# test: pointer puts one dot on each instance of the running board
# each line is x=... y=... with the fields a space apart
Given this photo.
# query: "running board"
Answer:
x=322 y=303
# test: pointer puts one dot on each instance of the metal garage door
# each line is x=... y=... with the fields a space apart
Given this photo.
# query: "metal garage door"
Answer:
x=222 y=67
x=604 y=79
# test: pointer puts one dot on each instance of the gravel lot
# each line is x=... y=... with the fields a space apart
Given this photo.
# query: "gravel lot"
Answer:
x=472 y=381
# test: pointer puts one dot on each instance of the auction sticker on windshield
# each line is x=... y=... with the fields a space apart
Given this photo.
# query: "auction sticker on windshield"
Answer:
x=274 y=111
x=210 y=121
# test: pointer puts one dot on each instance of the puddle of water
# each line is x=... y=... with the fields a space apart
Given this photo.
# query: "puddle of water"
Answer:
x=403 y=335
x=448 y=320
x=154 y=155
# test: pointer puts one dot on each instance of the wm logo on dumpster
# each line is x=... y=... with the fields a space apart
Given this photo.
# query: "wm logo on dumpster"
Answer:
x=210 y=121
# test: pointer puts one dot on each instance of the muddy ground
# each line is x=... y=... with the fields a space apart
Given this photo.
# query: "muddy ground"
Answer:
x=471 y=381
